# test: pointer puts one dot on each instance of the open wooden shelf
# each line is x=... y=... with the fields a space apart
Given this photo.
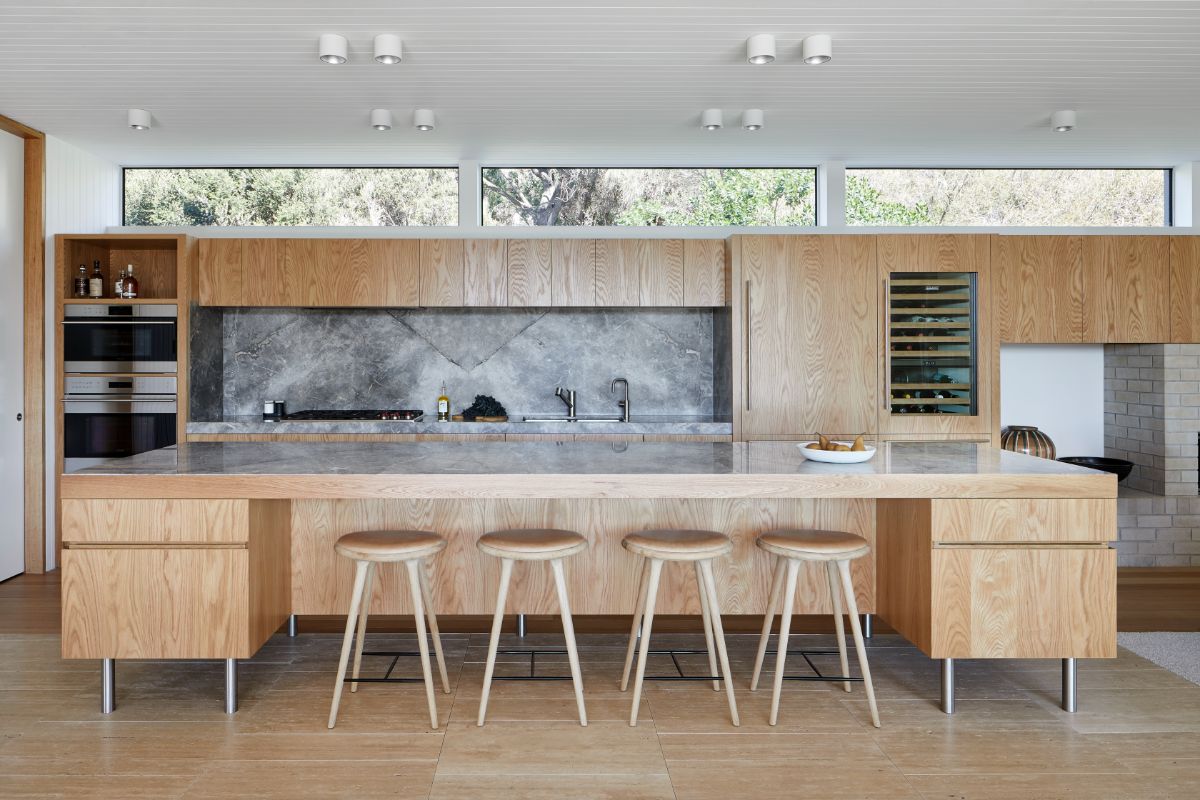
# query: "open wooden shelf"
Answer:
x=156 y=261
x=120 y=301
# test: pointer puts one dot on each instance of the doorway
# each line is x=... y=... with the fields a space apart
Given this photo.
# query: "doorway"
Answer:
x=12 y=356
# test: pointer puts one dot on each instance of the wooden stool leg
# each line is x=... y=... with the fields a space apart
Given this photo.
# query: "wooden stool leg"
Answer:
x=360 y=576
x=768 y=620
x=506 y=565
x=835 y=595
x=647 y=624
x=431 y=615
x=856 y=629
x=414 y=586
x=708 y=634
x=714 y=610
x=638 y=611
x=564 y=607
x=362 y=624
x=785 y=628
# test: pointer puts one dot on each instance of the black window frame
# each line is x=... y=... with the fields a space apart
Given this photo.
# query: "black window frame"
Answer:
x=457 y=169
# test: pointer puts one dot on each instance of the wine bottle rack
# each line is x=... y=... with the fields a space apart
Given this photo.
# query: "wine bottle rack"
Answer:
x=931 y=349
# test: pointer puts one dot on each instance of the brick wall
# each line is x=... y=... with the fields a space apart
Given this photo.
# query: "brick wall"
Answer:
x=1158 y=531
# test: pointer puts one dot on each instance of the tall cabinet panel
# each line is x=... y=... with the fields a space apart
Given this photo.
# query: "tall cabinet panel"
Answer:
x=936 y=363
x=1037 y=291
x=1185 y=289
x=1126 y=279
x=806 y=334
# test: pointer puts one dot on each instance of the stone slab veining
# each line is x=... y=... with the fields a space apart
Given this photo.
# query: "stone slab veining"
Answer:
x=654 y=425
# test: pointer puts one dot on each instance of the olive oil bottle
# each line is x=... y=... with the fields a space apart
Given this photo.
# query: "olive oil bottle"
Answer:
x=443 y=406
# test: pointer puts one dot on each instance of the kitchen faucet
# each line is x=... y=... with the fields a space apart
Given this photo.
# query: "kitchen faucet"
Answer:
x=568 y=397
x=622 y=404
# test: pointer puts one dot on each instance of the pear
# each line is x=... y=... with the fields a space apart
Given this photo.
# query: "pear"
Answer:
x=823 y=440
x=859 y=445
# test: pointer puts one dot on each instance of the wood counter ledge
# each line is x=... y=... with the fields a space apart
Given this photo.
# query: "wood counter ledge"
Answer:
x=679 y=470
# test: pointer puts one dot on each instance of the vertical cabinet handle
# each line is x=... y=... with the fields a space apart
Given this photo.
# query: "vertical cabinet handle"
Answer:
x=746 y=314
x=887 y=345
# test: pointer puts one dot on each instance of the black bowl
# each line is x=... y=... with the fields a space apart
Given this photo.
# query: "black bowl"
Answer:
x=1117 y=466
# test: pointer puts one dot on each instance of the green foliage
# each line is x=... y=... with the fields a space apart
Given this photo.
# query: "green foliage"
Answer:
x=865 y=205
x=291 y=196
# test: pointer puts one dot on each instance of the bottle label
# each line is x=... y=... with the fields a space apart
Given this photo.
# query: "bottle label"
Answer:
x=443 y=406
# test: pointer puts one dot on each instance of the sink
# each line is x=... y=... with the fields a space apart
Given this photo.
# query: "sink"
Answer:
x=571 y=419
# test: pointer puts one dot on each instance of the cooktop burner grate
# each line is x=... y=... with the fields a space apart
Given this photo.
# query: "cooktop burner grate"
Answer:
x=388 y=415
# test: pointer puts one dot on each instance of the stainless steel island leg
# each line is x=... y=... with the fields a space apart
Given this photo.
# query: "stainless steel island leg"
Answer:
x=521 y=625
x=1070 y=699
x=108 y=685
x=866 y=626
x=292 y=626
x=948 y=685
x=231 y=692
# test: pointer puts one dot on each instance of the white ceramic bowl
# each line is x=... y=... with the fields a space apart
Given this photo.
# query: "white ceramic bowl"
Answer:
x=837 y=456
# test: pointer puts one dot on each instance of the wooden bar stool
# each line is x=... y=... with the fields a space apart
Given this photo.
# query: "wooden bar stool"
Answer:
x=837 y=549
x=533 y=544
x=366 y=549
x=657 y=547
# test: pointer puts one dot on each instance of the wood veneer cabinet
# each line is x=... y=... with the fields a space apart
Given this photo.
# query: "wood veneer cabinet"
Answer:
x=806 y=335
x=1126 y=289
x=1037 y=289
x=1185 y=289
x=530 y=270
x=931 y=253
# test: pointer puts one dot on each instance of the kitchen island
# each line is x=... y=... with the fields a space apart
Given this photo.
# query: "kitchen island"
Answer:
x=204 y=550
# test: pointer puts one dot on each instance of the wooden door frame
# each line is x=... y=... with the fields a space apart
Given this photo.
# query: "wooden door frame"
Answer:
x=34 y=244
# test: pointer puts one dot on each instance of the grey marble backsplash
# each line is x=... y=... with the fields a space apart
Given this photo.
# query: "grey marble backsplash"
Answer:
x=399 y=358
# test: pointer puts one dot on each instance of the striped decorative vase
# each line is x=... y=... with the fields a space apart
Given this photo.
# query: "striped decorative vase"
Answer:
x=1027 y=439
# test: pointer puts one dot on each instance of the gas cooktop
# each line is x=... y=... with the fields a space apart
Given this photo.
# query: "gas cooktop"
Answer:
x=390 y=415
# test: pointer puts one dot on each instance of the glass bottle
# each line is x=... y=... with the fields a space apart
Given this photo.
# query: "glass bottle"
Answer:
x=119 y=285
x=130 y=285
x=96 y=282
x=443 y=406
x=81 y=282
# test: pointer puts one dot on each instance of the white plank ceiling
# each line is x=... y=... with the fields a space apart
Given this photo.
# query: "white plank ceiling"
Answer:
x=943 y=82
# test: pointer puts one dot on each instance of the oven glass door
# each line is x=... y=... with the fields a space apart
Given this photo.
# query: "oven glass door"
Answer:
x=119 y=345
x=95 y=431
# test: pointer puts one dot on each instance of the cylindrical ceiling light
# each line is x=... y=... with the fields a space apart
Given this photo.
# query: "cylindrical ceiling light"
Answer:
x=140 y=119
x=388 y=49
x=752 y=119
x=381 y=119
x=711 y=119
x=332 y=48
x=1062 y=121
x=423 y=119
x=760 y=48
x=816 y=49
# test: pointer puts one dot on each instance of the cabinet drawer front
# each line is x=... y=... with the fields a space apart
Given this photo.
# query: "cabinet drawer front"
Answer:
x=154 y=602
x=1024 y=520
x=1024 y=602
x=155 y=521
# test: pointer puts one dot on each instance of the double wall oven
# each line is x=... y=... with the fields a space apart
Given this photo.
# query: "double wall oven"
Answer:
x=119 y=391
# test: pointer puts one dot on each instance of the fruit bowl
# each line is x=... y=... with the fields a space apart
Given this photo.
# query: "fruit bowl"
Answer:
x=837 y=456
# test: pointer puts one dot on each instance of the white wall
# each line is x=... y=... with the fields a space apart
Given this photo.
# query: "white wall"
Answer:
x=83 y=195
x=12 y=355
x=1058 y=388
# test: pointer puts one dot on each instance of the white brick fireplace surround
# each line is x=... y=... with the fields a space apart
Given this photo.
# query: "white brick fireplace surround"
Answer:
x=1152 y=418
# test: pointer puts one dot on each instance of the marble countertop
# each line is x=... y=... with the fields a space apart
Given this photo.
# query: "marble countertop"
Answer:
x=640 y=424
x=579 y=469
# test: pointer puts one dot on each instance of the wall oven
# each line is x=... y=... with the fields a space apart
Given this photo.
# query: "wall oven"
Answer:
x=124 y=338
x=114 y=417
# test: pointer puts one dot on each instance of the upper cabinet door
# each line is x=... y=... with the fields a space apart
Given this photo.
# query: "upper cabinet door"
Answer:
x=617 y=271
x=442 y=272
x=485 y=272
x=1185 y=289
x=529 y=272
x=573 y=272
x=1126 y=281
x=219 y=282
x=807 y=335
x=1037 y=289
x=265 y=275
x=393 y=272
x=660 y=272
x=705 y=273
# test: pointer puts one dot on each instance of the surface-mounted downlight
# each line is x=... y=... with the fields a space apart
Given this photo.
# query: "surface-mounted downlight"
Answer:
x=388 y=49
x=711 y=119
x=381 y=119
x=760 y=49
x=816 y=49
x=1062 y=121
x=139 y=119
x=423 y=119
x=332 y=48
x=752 y=119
